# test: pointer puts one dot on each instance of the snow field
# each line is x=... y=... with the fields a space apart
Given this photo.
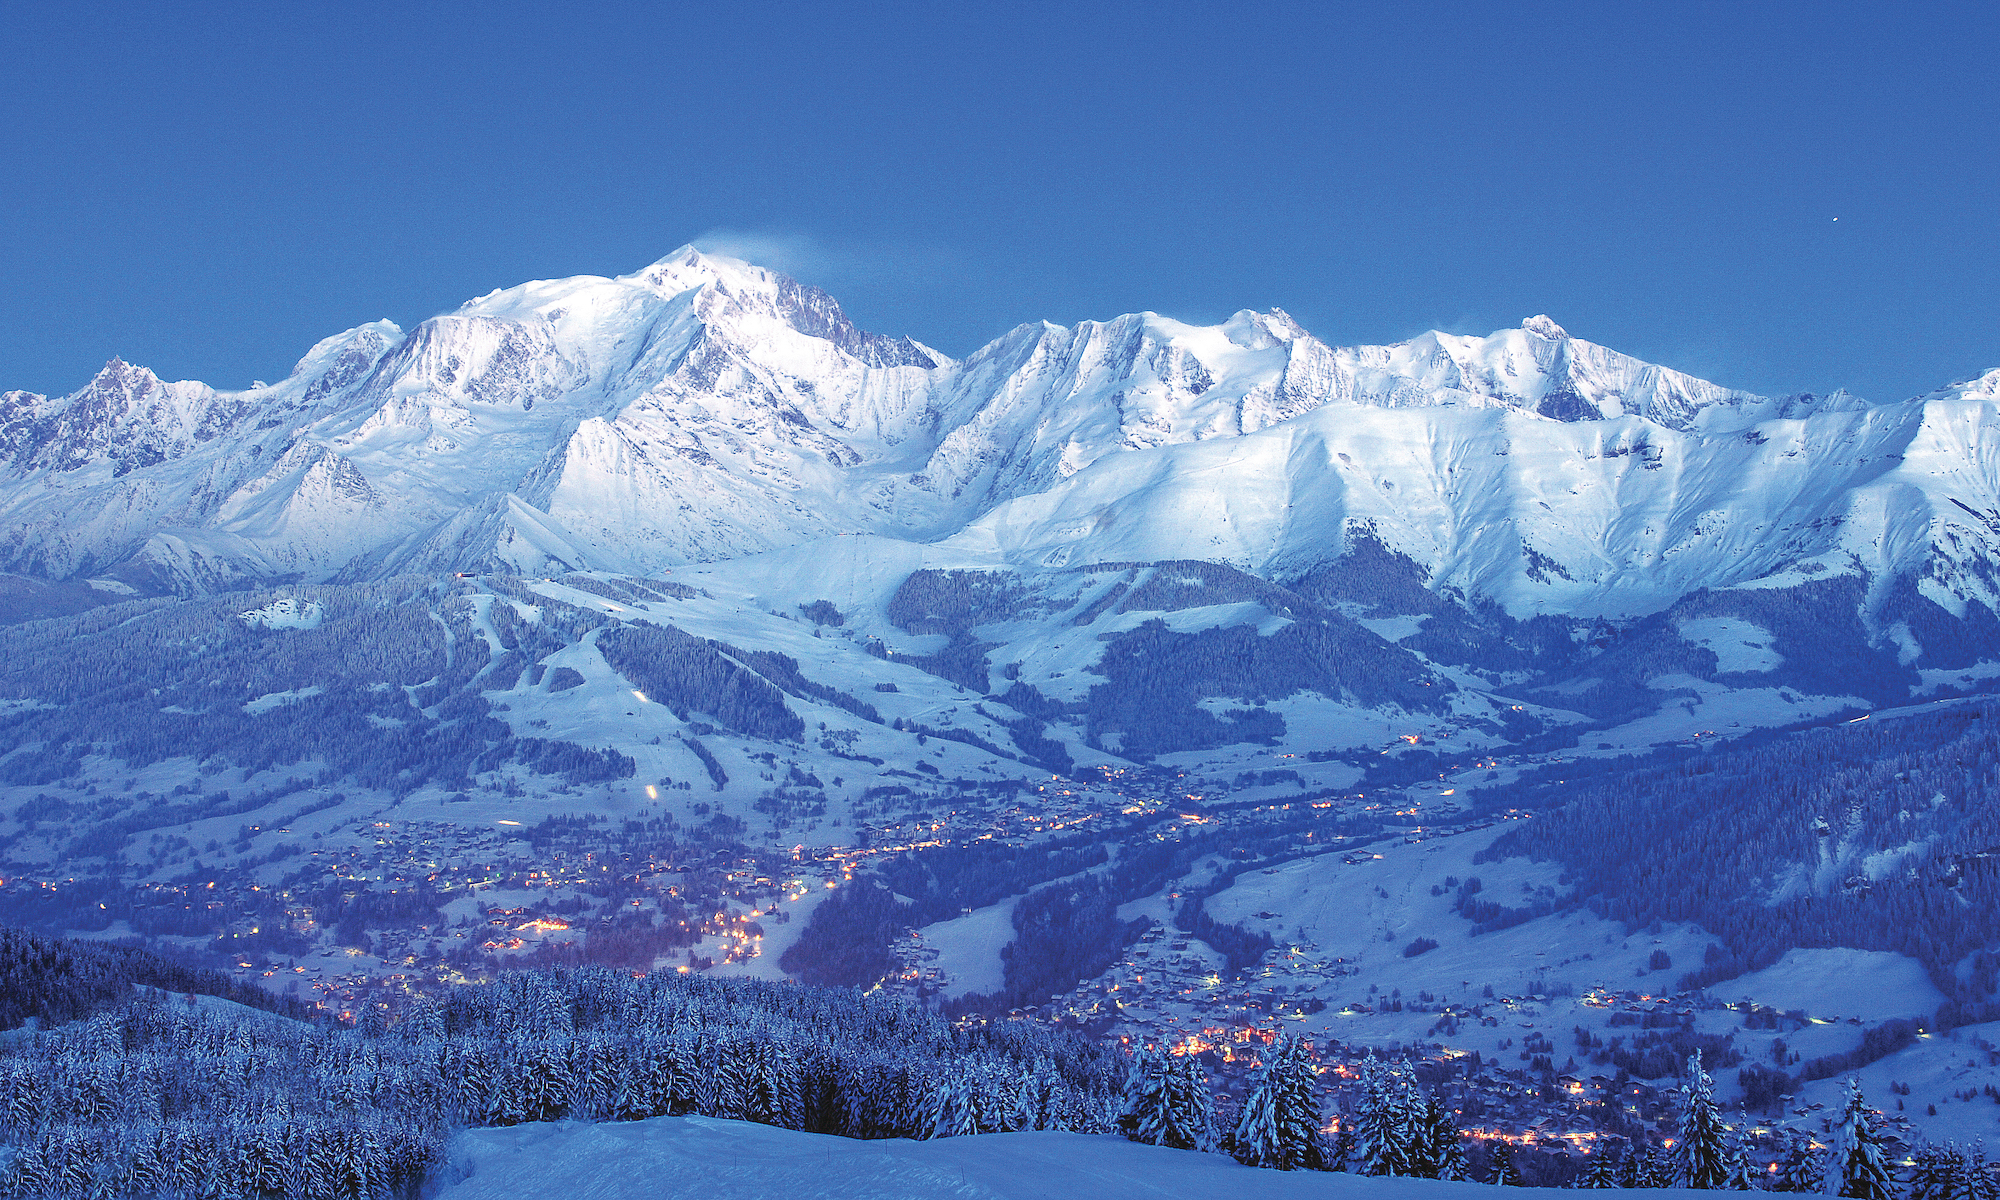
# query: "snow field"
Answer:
x=700 y=1157
x=1873 y=985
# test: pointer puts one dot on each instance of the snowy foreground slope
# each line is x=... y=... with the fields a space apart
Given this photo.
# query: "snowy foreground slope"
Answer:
x=728 y=1160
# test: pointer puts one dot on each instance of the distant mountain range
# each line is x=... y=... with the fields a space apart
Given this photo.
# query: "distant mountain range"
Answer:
x=704 y=409
x=1149 y=537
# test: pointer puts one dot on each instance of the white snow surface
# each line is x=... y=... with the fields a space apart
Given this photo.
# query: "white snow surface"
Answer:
x=968 y=947
x=735 y=1160
x=704 y=409
x=274 y=700
x=1738 y=645
x=286 y=612
x=1874 y=985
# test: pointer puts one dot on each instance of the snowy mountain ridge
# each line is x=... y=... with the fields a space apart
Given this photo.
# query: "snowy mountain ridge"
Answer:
x=704 y=408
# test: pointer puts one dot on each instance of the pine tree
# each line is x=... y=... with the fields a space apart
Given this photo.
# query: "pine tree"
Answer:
x=952 y=1107
x=773 y=1095
x=1737 y=1175
x=265 y=1159
x=37 y=1166
x=1145 y=1094
x=1414 y=1131
x=1447 y=1145
x=1187 y=1122
x=1938 y=1173
x=1256 y=1142
x=1800 y=1168
x=1700 y=1156
x=729 y=1076
x=1280 y=1123
x=1343 y=1146
x=1380 y=1130
x=1856 y=1167
x=1030 y=1111
x=1603 y=1171
x=1501 y=1170
x=150 y=1169
x=994 y=1087
x=1628 y=1167
x=1167 y=1103
x=1655 y=1169
x=76 y=1163
x=1047 y=1103
x=691 y=1084
x=1979 y=1181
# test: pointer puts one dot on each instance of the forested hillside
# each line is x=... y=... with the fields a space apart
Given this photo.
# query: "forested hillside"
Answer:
x=1880 y=835
x=154 y=1096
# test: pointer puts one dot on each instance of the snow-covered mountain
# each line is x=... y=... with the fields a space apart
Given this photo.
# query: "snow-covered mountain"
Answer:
x=703 y=408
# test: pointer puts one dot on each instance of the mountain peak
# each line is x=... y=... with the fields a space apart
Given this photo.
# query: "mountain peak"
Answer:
x=1541 y=326
x=688 y=268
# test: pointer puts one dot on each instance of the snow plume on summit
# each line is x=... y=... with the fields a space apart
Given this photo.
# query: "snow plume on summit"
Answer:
x=704 y=408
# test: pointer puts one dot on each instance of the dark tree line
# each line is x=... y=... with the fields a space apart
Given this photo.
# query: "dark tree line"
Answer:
x=690 y=674
x=53 y=981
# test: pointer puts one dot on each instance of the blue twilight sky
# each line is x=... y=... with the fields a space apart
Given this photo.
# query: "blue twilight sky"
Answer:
x=208 y=189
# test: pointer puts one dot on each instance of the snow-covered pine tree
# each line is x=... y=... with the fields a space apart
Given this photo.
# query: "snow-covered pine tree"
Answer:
x=36 y=1166
x=1280 y=1123
x=1343 y=1146
x=1800 y=1167
x=1701 y=1151
x=1054 y=1107
x=1188 y=1118
x=598 y=1069
x=952 y=1109
x=1656 y=1169
x=1629 y=1160
x=994 y=1087
x=1856 y=1166
x=1501 y=1171
x=1979 y=1181
x=735 y=1058
x=148 y=1170
x=547 y=1081
x=1603 y=1172
x=76 y=1161
x=1933 y=1174
x=193 y=1161
x=264 y=1159
x=1029 y=1112
x=691 y=1083
x=470 y=1067
x=774 y=1096
x=23 y=1096
x=1145 y=1095
x=1447 y=1145
x=1380 y=1131
x=1737 y=1172
x=301 y=1174
x=354 y=1165
x=1254 y=1142
x=1412 y=1121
